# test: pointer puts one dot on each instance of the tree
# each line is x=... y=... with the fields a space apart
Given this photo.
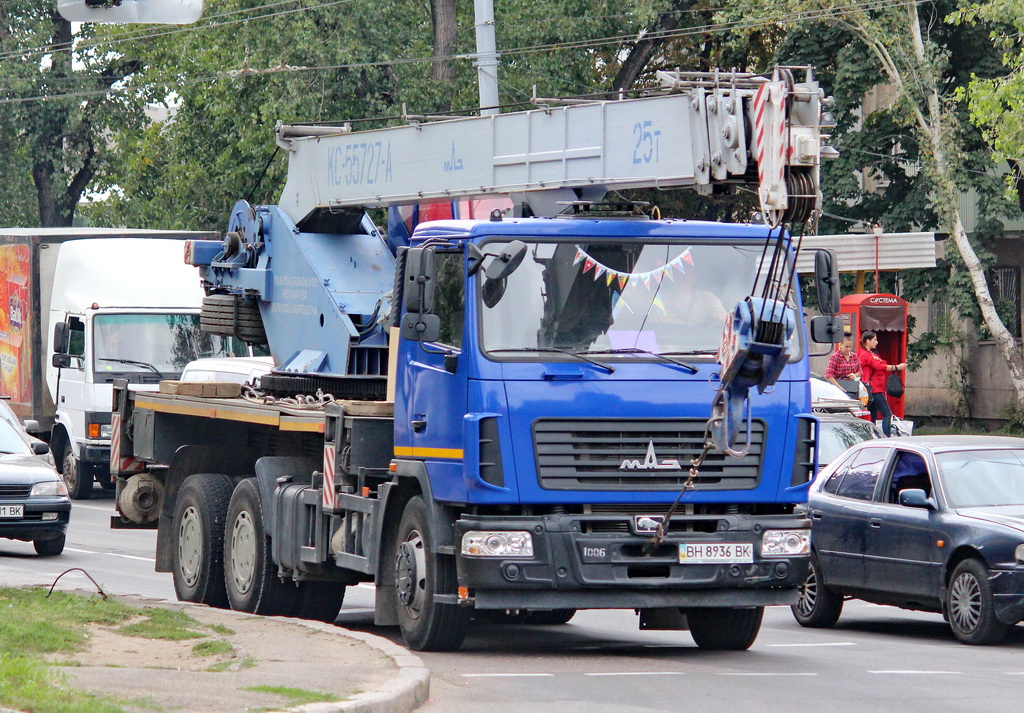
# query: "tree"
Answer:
x=900 y=42
x=54 y=110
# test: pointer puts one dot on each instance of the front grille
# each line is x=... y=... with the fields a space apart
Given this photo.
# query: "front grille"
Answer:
x=589 y=454
x=15 y=491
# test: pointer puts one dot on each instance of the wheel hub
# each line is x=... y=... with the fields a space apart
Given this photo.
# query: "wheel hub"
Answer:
x=190 y=546
x=243 y=552
x=410 y=574
x=965 y=597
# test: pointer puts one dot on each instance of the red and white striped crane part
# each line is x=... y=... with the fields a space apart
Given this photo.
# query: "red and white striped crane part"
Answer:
x=329 y=498
x=770 y=143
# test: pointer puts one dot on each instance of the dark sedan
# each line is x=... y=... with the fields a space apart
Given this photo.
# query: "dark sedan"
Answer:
x=34 y=504
x=928 y=523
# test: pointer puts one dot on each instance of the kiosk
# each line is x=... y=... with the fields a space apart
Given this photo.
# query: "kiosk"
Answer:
x=886 y=315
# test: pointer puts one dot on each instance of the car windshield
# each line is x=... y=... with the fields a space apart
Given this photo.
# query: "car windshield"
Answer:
x=159 y=343
x=834 y=437
x=11 y=441
x=983 y=478
x=619 y=299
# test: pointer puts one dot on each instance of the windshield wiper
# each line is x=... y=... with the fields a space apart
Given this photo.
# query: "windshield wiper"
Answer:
x=144 y=365
x=556 y=350
x=634 y=350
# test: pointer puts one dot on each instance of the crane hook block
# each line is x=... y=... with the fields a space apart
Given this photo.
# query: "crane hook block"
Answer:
x=757 y=343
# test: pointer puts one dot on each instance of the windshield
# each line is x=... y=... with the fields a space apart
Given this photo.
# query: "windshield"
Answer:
x=983 y=478
x=11 y=441
x=620 y=298
x=157 y=343
x=835 y=437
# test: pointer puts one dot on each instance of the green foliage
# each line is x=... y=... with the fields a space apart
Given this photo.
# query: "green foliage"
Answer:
x=212 y=647
x=294 y=696
x=169 y=624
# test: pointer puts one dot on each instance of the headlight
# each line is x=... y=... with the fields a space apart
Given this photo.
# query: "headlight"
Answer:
x=1019 y=553
x=49 y=488
x=497 y=544
x=105 y=430
x=785 y=543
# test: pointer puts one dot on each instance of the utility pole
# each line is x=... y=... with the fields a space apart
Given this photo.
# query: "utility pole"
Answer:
x=486 y=56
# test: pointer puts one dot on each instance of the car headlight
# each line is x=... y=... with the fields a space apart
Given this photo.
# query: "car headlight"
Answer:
x=105 y=430
x=500 y=543
x=49 y=488
x=785 y=543
x=1019 y=553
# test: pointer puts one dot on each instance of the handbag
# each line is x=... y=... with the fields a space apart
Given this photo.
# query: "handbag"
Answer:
x=893 y=385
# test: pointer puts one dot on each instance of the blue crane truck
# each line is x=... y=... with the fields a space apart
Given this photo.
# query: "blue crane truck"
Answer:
x=544 y=410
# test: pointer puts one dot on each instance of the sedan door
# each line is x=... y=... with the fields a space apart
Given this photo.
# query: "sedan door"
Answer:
x=839 y=518
x=902 y=557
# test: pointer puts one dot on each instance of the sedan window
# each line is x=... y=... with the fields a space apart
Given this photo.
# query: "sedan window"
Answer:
x=11 y=441
x=909 y=472
x=984 y=478
x=860 y=479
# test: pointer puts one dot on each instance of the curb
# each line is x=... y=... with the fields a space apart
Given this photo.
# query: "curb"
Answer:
x=405 y=692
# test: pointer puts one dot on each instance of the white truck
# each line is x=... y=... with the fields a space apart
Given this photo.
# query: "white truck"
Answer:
x=78 y=314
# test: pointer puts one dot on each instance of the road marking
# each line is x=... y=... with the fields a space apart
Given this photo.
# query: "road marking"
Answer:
x=834 y=643
x=925 y=673
x=78 y=505
x=767 y=674
x=638 y=673
x=506 y=675
x=109 y=554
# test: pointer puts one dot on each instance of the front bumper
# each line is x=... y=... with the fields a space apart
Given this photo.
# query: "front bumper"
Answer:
x=95 y=458
x=574 y=566
x=32 y=526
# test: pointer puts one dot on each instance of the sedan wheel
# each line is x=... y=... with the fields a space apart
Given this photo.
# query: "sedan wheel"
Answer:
x=818 y=607
x=969 y=605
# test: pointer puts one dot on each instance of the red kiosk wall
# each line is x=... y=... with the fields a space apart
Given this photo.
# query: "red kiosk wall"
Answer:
x=886 y=316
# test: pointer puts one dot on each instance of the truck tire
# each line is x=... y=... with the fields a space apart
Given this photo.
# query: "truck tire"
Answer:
x=51 y=547
x=249 y=570
x=232 y=315
x=725 y=628
x=420 y=575
x=320 y=601
x=970 y=605
x=77 y=478
x=197 y=549
x=818 y=607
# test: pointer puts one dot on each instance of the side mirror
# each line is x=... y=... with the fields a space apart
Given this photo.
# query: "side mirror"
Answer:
x=421 y=327
x=39 y=448
x=167 y=12
x=507 y=261
x=61 y=361
x=61 y=337
x=915 y=498
x=475 y=259
x=30 y=425
x=827 y=329
x=419 y=280
x=826 y=281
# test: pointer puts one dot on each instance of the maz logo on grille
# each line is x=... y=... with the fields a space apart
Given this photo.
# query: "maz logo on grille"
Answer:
x=650 y=462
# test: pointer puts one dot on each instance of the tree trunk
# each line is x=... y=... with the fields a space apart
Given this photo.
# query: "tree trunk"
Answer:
x=442 y=17
x=930 y=124
x=644 y=49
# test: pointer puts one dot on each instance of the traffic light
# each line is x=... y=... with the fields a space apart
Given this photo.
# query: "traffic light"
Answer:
x=167 y=12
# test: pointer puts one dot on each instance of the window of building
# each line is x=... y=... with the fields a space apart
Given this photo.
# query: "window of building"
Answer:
x=1004 y=284
x=940 y=320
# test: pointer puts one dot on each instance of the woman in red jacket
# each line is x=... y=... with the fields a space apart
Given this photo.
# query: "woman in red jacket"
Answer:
x=874 y=370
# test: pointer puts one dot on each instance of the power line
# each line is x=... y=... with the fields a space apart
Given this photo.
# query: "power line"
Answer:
x=535 y=49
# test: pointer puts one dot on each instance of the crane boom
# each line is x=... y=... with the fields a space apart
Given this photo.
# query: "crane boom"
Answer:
x=699 y=129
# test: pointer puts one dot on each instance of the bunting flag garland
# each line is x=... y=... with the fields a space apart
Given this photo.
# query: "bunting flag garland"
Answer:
x=621 y=279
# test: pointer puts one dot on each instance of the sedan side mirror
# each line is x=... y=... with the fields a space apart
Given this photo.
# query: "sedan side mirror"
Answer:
x=916 y=498
x=39 y=448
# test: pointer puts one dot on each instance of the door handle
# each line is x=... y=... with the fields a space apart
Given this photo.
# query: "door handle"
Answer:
x=419 y=425
x=875 y=522
x=815 y=514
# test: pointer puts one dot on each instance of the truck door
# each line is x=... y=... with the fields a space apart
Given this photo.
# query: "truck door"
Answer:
x=70 y=360
x=437 y=383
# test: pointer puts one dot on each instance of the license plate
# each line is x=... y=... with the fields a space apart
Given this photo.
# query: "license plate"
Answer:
x=8 y=511
x=717 y=553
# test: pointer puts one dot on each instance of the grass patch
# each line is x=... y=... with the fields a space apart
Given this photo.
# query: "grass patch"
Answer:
x=212 y=647
x=295 y=696
x=169 y=624
x=33 y=624
x=221 y=630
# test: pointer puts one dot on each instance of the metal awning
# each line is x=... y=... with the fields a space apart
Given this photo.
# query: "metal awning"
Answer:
x=857 y=251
